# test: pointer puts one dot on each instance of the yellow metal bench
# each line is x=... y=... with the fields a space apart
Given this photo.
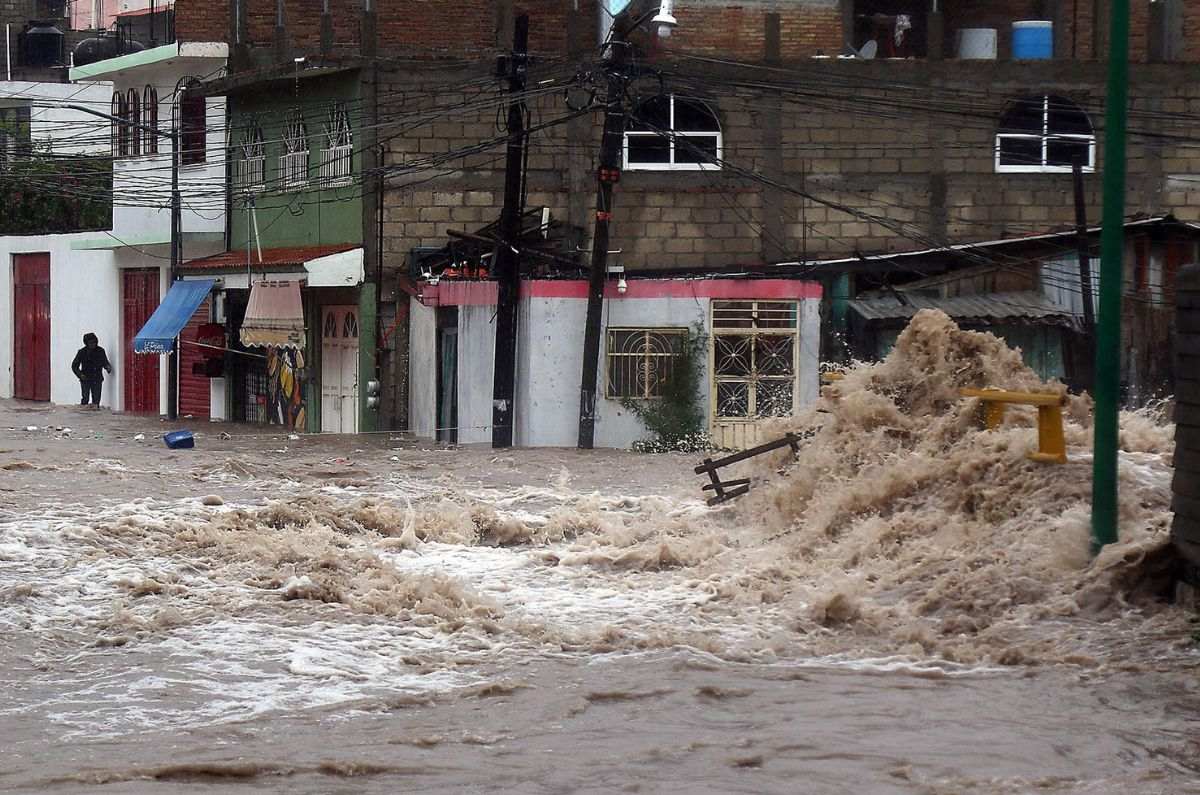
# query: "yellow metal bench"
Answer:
x=1052 y=446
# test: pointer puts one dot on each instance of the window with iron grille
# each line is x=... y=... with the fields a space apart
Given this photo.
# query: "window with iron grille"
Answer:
x=293 y=163
x=641 y=361
x=250 y=173
x=754 y=358
x=337 y=157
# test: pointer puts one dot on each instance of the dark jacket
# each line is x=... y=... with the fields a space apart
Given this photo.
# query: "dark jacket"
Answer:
x=90 y=364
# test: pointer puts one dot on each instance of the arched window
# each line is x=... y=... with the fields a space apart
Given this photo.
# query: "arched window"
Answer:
x=150 y=119
x=1044 y=134
x=338 y=154
x=350 y=326
x=135 y=121
x=293 y=163
x=191 y=111
x=251 y=167
x=668 y=133
x=120 y=129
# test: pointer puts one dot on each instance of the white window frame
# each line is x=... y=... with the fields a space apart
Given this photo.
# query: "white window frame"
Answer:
x=293 y=163
x=1046 y=137
x=251 y=167
x=337 y=158
x=671 y=136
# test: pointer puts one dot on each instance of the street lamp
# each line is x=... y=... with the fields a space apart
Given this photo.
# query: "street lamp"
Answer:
x=609 y=173
x=664 y=20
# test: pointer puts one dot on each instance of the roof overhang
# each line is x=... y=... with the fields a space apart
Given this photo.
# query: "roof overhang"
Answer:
x=318 y=266
x=109 y=242
x=276 y=73
x=895 y=260
x=1021 y=308
x=156 y=56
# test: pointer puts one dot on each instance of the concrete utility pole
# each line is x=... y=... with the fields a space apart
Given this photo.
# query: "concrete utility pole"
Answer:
x=1108 y=332
x=609 y=173
x=1085 y=273
x=176 y=253
x=608 y=176
x=508 y=257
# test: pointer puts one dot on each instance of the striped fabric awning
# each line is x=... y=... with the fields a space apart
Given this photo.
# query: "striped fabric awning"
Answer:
x=274 y=316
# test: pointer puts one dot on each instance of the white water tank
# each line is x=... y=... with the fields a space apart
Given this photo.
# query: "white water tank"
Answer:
x=976 y=43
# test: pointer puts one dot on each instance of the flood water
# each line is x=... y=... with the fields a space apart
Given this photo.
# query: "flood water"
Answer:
x=910 y=608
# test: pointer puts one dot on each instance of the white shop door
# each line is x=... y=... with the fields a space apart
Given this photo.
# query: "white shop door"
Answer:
x=339 y=369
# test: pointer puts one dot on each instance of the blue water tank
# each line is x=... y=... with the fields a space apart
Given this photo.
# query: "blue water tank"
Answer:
x=1033 y=40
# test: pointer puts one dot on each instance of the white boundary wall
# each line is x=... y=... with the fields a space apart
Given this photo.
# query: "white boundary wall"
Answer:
x=85 y=295
x=550 y=356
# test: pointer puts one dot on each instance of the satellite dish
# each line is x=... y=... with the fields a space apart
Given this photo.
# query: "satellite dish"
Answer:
x=869 y=50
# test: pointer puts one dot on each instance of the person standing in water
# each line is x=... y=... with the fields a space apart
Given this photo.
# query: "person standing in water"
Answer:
x=89 y=365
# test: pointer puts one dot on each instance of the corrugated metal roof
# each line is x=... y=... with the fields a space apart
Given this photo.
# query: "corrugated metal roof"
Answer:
x=1006 y=241
x=287 y=257
x=1019 y=307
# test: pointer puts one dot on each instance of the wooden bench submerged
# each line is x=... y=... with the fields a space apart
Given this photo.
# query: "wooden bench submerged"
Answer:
x=728 y=489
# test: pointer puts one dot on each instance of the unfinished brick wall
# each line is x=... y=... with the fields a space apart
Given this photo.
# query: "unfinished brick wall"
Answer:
x=883 y=170
x=736 y=31
x=467 y=28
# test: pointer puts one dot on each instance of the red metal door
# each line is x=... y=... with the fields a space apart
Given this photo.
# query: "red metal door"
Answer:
x=139 y=289
x=193 y=388
x=31 y=341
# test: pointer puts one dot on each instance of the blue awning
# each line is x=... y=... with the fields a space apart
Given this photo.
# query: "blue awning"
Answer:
x=160 y=331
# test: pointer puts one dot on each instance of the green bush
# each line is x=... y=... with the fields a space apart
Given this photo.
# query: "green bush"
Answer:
x=42 y=193
x=676 y=419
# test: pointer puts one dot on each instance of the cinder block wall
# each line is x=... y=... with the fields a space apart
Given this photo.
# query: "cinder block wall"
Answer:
x=891 y=156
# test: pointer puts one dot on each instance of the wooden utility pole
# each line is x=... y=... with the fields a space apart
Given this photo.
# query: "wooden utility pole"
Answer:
x=508 y=257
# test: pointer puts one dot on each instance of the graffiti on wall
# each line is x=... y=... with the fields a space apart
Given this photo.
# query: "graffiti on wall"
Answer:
x=285 y=388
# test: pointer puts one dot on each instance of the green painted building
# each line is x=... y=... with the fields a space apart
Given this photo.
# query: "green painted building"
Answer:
x=296 y=217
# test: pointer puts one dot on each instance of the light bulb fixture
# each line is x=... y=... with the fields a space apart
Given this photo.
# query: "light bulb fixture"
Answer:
x=622 y=286
x=664 y=20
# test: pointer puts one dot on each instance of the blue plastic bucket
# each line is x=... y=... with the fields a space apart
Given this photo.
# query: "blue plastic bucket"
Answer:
x=1033 y=40
x=178 y=440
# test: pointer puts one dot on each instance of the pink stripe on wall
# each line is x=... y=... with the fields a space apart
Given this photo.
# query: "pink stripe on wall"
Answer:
x=452 y=293
x=484 y=293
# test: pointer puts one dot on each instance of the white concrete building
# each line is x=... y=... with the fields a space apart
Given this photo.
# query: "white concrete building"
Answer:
x=147 y=88
x=109 y=282
x=50 y=294
x=761 y=343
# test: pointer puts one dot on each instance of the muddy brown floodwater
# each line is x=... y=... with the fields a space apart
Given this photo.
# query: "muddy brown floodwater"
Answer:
x=909 y=607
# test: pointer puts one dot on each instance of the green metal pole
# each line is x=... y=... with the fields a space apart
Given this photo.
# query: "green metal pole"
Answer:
x=1108 y=329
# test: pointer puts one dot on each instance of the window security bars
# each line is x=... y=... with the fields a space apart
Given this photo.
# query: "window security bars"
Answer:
x=337 y=158
x=293 y=163
x=642 y=361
